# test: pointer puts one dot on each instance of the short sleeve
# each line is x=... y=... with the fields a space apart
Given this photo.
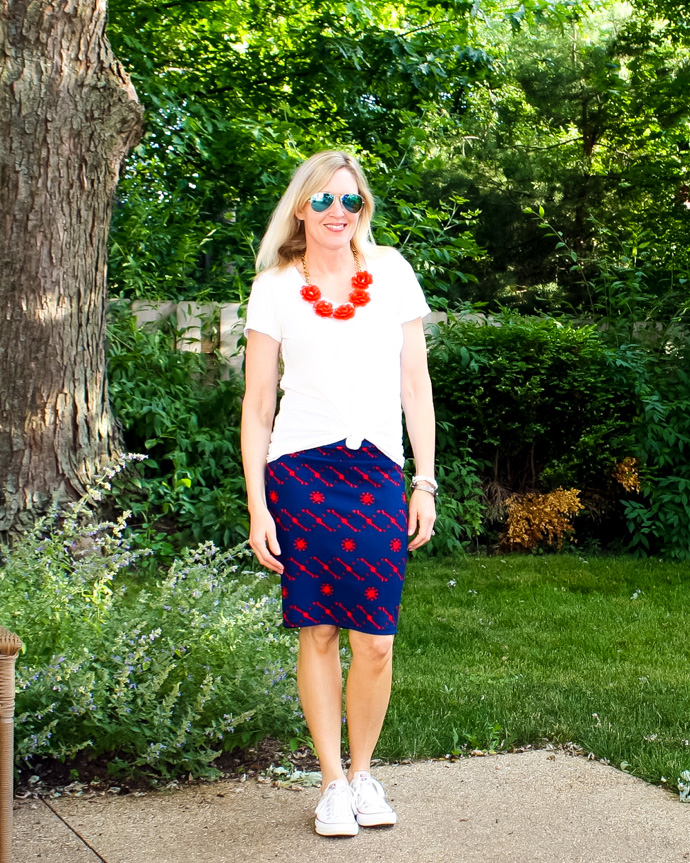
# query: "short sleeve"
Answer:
x=412 y=303
x=262 y=310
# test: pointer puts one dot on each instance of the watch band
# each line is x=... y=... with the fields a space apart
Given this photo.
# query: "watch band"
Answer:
x=429 y=479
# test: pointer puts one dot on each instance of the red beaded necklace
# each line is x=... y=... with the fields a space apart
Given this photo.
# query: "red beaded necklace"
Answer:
x=359 y=296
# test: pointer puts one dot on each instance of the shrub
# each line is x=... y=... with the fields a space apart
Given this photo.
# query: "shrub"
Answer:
x=659 y=522
x=535 y=519
x=159 y=681
x=190 y=488
x=639 y=295
x=538 y=403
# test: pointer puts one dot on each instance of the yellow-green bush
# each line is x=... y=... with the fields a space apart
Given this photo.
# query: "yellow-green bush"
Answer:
x=536 y=519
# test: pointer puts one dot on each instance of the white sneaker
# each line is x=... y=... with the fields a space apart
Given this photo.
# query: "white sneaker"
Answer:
x=372 y=809
x=335 y=814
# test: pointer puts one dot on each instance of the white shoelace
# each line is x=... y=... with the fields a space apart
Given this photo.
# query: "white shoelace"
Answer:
x=336 y=803
x=369 y=794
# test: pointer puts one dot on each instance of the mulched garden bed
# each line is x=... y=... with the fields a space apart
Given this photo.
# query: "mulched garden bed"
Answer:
x=84 y=774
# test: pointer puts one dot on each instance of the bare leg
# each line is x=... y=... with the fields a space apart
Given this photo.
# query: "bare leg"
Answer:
x=320 y=683
x=368 y=693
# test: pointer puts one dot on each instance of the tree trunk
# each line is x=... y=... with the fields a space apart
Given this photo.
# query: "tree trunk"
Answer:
x=68 y=116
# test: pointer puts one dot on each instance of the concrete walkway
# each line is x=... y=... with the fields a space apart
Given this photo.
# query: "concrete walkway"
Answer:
x=519 y=808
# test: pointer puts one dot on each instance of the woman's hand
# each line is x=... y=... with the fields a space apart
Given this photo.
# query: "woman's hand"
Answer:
x=421 y=517
x=263 y=540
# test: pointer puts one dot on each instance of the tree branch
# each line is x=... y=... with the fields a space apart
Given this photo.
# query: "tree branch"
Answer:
x=427 y=26
x=548 y=147
x=265 y=82
x=181 y=3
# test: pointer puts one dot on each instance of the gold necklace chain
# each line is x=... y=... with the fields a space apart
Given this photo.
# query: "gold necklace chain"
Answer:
x=355 y=254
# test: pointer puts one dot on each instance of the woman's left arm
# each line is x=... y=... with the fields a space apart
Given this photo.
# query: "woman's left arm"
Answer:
x=418 y=406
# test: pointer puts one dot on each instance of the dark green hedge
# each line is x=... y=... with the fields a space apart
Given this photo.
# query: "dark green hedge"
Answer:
x=170 y=405
x=538 y=404
x=522 y=404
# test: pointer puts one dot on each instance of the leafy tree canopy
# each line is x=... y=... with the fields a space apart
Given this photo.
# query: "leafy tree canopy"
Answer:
x=463 y=113
x=238 y=92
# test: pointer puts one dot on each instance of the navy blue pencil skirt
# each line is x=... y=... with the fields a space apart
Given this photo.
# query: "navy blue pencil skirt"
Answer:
x=341 y=519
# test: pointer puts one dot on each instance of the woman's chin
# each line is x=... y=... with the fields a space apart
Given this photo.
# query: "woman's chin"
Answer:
x=331 y=240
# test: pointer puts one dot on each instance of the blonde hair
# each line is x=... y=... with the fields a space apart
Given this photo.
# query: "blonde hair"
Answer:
x=284 y=239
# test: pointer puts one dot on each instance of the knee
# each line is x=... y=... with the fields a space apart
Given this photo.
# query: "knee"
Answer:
x=321 y=639
x=373 y=649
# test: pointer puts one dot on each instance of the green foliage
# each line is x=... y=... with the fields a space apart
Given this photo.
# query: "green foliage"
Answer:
x=431 y=238
x=464 y=115
x=459 y=507
x=628 y=291
x=660 y=522
x=644 y=318
x=540 y=404
x=191 y=482
x=578 y=106
x=236 y=95
x=160 y=681
x=591 y=122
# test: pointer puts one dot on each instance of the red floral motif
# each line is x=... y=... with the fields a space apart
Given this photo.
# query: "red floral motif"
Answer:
x=273 y=496
x=396 y=545
x=327 y=589
x=342 y=313
x=324 y=309
x=348 y=545
x=284 y=591
x=311 y=293
x=317 y=497
x=367 y=498
x=359 y=297
x=371 y=593
x=301 y=544
x=362 y=279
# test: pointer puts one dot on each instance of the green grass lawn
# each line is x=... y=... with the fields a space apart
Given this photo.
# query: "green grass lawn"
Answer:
x=522 y=649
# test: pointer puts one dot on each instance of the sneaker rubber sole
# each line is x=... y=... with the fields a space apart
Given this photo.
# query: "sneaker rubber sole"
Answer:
x=382 y=819
x=325 y=829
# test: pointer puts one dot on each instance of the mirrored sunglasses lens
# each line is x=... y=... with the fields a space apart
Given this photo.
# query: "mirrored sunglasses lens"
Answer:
x=352 y=203
x=321 y=201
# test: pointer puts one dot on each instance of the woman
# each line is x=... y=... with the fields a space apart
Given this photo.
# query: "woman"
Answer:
x=325 y=487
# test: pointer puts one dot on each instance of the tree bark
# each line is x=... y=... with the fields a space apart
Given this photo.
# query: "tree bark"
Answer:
x=68 y=116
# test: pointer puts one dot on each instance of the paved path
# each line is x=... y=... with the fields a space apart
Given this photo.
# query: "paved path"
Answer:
x=522 y=808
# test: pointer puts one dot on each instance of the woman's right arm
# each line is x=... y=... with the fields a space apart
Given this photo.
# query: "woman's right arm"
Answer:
x=258 y=411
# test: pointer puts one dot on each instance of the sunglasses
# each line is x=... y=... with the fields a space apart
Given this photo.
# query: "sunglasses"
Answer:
x=321 y=201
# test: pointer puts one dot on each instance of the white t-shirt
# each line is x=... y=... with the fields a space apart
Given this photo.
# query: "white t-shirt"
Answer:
x=341 y=378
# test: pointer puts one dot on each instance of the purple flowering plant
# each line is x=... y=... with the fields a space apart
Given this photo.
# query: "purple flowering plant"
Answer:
x=160 y=678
